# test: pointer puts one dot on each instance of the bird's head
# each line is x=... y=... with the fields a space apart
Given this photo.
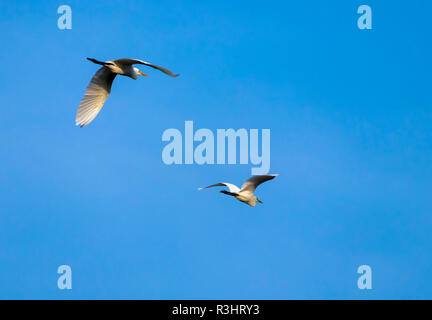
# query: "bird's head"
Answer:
x=138 y=71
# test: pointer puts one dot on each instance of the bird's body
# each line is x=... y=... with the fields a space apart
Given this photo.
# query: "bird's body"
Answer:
x=100 y=85
x=246 y=192
x=250 y=199
x=123 y=70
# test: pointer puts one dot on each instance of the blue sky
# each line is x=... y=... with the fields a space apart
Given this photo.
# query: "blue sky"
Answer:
x=351 y=137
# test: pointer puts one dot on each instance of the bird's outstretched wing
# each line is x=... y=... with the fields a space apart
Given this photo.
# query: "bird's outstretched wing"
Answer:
x=232 y=188
x=136 y=61
x=97 y=92
x=252 y=183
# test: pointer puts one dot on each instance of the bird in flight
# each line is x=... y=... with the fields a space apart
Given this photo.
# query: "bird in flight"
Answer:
x=246 y=193
x=100 y=85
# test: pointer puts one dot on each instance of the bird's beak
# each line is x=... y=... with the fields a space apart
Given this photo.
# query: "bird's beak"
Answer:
x=259 y=201
x=143 y=74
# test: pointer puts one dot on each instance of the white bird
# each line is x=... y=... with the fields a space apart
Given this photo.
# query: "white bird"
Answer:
x=246 y=193
x=100 y=85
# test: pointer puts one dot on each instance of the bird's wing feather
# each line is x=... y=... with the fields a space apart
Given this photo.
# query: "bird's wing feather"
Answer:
x=97 y=92
x=252 y=183
x=231 y=187
x=136 y=61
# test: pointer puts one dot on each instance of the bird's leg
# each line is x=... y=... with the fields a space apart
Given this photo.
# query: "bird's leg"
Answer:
x=228 y=193
x=99 y=62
